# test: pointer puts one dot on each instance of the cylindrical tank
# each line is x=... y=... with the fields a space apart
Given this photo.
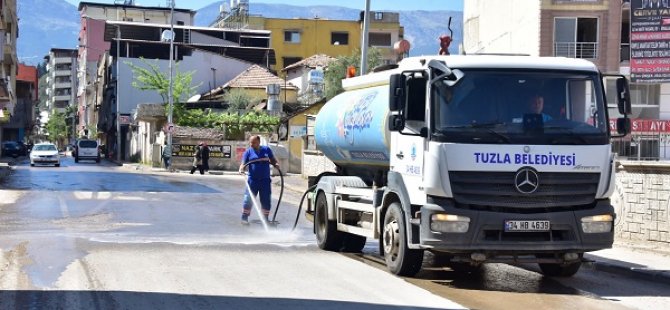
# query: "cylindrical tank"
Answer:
x=351 y=130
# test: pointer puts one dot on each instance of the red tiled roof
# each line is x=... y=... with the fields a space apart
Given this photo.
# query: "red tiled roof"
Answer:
x=253 y=77
x=318 y=60
x=27 y=73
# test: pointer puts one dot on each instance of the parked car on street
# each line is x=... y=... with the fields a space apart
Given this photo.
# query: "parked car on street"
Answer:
x=45 y=154
x=86 y=149
x=12 y=148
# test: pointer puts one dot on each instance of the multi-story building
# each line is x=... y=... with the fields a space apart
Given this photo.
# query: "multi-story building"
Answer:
x=61 y=79
x=9 y=32
x=20 y=125
x=298 y=38
x=595 y=30
x=92 y=45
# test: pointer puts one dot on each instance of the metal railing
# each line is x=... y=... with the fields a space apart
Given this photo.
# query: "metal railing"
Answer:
x=643 y=147
x=587 y=50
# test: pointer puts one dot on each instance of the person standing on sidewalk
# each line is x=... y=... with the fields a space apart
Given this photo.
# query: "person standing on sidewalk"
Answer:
x=197 y=159
x=259 y=158
x=166 y=155
x=205 y=157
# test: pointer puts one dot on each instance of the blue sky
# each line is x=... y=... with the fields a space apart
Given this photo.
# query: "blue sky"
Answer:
x=397 y=5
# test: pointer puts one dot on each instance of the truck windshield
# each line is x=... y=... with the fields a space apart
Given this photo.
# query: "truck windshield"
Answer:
x=529 y=107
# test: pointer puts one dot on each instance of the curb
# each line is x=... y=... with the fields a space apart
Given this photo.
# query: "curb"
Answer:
x=658 y=276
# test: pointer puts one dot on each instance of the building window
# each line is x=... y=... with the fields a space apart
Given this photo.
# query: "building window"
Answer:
x=379 y=39
x=290 y=60
x=292 y=36
x=339 y=38
x=379 y=15
x=576 y=37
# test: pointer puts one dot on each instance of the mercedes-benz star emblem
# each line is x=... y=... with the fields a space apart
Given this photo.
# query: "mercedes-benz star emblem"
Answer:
x=526 y=181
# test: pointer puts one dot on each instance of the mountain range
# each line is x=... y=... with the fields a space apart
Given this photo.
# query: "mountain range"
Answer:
x=46 y=24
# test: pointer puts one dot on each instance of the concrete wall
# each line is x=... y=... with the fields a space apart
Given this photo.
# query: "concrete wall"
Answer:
x=642 y=204
x=225 y=164
x=507 y=26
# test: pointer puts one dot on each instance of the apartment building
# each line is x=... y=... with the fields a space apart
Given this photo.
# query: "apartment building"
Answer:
x=295 y=39
x=20 y=126
x=92 y=45
x=595 y=30
x=61 y=79
x=9 y=32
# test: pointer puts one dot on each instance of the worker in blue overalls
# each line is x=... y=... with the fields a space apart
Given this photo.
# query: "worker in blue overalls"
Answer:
x=261 y=158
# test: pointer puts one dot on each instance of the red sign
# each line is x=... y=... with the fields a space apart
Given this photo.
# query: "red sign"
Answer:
x=646 y=125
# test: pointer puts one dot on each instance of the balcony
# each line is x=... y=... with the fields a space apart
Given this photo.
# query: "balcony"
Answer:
x=63 y=85
x=63 y=97
x=586 y=50
x=63 y=72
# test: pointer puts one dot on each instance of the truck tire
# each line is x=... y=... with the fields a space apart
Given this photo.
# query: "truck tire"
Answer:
x=352 y=243
x=560 y=270
x=400 y=259
x=327 y=236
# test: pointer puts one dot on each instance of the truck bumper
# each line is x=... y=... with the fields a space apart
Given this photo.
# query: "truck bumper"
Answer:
x=486 y=231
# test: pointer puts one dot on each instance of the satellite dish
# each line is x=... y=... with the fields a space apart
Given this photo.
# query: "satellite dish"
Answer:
x=194 y=98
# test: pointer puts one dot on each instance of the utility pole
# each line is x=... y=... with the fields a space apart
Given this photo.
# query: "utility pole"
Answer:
x=170 y=99
x=364 y=43
x=118 y=102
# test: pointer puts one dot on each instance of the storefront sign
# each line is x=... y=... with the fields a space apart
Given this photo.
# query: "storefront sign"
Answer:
x=645 y=125
x=649 y=41
x=215 y=151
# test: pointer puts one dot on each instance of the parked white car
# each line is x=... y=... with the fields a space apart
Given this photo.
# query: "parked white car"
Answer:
x=44 y=154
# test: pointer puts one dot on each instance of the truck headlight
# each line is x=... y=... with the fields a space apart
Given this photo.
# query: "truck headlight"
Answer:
x=597 y=223
x=449 y=223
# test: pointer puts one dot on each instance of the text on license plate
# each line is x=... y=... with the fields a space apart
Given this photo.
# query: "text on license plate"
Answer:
x=527 y=225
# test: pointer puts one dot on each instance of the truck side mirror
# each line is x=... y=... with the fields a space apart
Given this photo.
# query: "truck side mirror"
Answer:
x=397 y=99
x=623 y=96
x=396 y=122
x=623 y=126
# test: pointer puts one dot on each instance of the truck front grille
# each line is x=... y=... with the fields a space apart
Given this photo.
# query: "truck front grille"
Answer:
x=497 y=189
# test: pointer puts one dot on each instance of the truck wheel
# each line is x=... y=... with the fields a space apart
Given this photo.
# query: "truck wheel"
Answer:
x=400 y=259
x=352 y=243
x=327 y=236
x=560 y=270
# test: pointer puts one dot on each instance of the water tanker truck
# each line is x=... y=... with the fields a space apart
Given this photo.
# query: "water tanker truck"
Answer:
x=450 y=154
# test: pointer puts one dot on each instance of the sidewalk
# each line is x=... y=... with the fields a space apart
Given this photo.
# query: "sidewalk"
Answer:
x=630 y=262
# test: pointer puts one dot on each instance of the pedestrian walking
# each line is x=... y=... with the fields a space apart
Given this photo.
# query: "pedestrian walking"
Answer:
x=205 y=157
x=259 y=158
x=167 y=155
x=197 y=159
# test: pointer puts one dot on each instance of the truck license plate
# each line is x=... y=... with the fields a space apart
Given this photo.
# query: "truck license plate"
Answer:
x=527 y=226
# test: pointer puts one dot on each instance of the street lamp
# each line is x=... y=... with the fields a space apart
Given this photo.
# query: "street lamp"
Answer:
x=364 y=40
x=170 y=99
x=118 y=76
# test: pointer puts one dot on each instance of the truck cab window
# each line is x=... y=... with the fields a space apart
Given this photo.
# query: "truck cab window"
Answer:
x=415 y=114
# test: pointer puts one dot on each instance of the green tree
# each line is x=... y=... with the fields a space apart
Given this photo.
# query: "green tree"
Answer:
x=152 y=78
x=239 y=99
x=337 y=70
x=57 y=128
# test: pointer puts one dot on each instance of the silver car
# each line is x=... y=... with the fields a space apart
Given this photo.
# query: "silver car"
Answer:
x=44 y=154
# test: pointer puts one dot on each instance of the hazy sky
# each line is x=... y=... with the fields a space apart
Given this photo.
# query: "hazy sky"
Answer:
x=355 y=4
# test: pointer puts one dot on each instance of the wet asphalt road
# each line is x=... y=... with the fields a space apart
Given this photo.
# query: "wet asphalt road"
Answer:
x=100 y=236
